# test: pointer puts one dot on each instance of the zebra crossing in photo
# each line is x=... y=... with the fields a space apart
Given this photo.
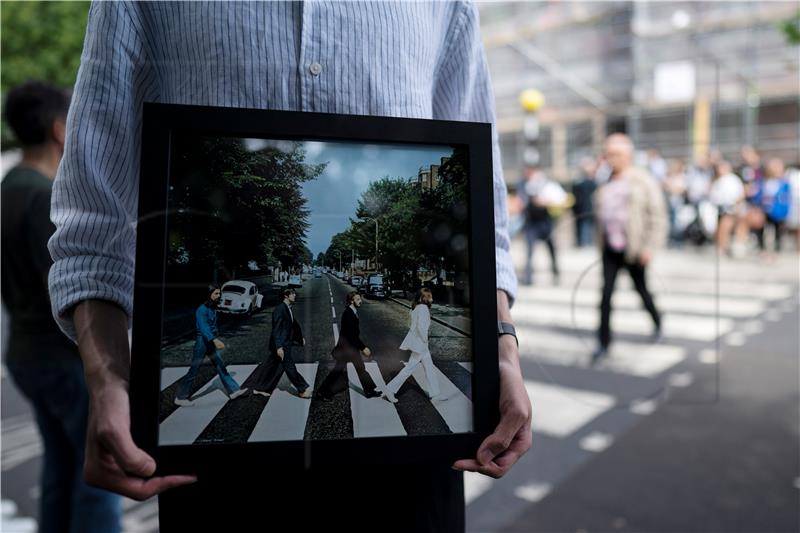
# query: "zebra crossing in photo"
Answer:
x=285 y=416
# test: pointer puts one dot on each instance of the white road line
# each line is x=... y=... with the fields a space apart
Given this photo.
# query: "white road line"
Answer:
x=335 y=334
x=372 y=417
x=737 y=338
x=753 y=327
x=457 y=409
x=333 y=311
x=689 y=327
x=475 y=485
x=533 y=492
x=560 y=411
x=170 y=375
x=639 y=359
x=681 y=379
x=709 y=356
x=596 y=442
x=133 y=519
x=21 y=443
x=284 y=417
x=743 y=307
x=467 y=366
x=688 y=284
x=643 y=407
x=186 y=423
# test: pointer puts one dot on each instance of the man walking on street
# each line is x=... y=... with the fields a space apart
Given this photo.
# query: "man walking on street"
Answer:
x=207 y=343
x=285 y=332
x=348 y=350
x=632 y=224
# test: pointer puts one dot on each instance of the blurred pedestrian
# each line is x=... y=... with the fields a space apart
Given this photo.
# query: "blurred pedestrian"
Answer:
x=773 y=197
x=675 y=190
x=632 y=225
x=583 y=190
x=539 y=194
x=43 y=362
x=793 y=220
x=727 y=195
x=656 y=165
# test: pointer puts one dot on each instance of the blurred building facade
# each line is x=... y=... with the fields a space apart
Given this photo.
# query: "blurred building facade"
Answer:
x=680 y=77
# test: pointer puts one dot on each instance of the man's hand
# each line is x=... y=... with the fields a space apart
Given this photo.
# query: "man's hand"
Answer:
x=512 y=437
x=219 y=344
x=645 y=257
x=366 y=352
x=280 y=353
x=113 y=461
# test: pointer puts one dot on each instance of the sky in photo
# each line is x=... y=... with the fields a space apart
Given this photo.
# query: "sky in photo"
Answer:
x=333 y=196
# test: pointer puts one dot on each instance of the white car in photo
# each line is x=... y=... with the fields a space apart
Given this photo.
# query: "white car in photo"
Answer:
x=295 y=281
x=240 y=297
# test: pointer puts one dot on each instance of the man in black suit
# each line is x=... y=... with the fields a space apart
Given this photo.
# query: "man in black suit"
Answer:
x=348 y=350
x=285 y=332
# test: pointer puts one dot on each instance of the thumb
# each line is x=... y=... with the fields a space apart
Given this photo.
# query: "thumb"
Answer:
x=496 y=443
x=132 y=459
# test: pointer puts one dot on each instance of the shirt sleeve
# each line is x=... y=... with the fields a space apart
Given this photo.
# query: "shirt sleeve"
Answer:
x=463 y=91
x=95 y=194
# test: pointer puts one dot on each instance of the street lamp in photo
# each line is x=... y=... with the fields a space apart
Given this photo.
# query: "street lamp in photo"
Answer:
x=375 y=220
x=531 y=101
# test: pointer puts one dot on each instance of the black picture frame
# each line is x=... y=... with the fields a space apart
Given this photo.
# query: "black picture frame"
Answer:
x=161 y=122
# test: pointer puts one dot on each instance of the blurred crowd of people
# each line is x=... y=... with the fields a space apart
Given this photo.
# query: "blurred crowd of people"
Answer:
x=744 y=206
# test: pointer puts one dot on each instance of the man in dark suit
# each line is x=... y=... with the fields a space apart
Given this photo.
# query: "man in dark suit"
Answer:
x=285 y=332
x=348 y=350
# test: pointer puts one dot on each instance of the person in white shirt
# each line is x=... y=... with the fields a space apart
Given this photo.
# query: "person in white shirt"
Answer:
x=727 y=194
x=417 y=341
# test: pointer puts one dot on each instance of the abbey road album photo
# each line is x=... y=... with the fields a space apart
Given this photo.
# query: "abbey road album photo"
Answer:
x=319 y=286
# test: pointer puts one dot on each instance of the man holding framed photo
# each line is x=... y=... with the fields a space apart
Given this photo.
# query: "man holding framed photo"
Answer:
x=312 y=56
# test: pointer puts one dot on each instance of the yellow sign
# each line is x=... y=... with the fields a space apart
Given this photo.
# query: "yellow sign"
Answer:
x=531 y=100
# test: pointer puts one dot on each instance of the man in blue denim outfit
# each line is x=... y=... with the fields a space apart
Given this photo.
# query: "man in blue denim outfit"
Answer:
x=207 y=343
x=43 y=362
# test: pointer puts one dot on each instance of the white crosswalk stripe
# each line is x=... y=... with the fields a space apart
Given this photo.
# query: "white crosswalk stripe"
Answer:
x=284 y=417
x=372 y=417
x=185 y=424
x=456 y=409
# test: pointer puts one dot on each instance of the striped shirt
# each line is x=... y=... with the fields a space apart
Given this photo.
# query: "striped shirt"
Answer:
x=402 y=59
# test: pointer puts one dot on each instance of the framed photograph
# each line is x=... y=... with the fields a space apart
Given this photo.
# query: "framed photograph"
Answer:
x=312 y=289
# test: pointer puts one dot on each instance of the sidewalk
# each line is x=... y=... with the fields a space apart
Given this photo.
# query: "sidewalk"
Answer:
x=453 y=316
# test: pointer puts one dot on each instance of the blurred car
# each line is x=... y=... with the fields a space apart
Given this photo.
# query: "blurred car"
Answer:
x=355 y=282
x=295 y=281
x=317 y=274
x=239 y=297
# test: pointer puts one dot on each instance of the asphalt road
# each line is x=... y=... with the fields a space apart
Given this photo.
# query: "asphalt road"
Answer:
x=318 y=308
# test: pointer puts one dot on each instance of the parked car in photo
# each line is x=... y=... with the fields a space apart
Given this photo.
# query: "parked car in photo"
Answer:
x=295 y=281
x=239 y=297
x=355 y=282
x=375 y=286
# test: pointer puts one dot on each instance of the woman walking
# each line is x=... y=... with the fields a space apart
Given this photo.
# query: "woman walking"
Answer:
x=417 y=341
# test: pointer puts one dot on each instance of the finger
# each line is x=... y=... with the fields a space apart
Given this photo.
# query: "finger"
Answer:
x=500 y=440
x=130 y=458
x=471 y=465
x=142 y=489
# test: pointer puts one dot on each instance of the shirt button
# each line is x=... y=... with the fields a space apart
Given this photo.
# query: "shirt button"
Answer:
x=315 y=69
